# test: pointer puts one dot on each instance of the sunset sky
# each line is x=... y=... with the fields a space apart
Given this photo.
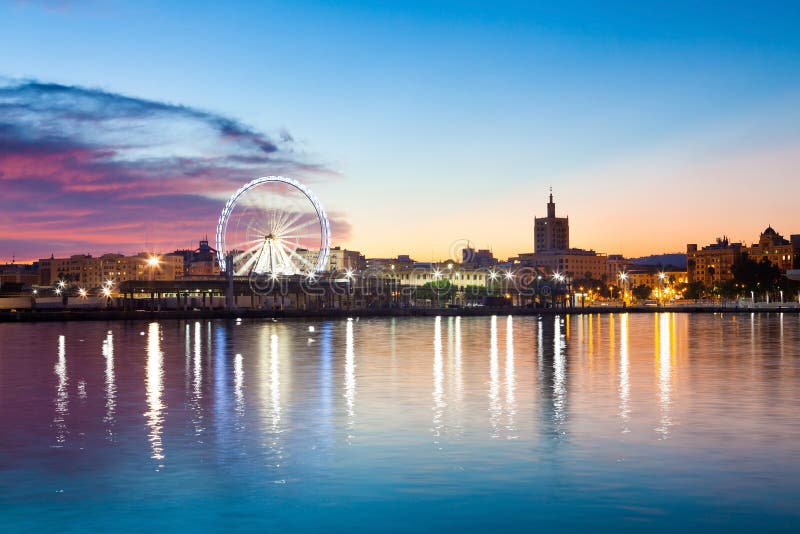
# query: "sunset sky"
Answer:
x=125 y=126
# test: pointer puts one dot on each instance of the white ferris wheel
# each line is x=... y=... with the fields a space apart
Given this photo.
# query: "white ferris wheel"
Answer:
x=274 y=225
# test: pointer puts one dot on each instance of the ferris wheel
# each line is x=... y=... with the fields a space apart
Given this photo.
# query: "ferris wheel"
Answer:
x=274 y=225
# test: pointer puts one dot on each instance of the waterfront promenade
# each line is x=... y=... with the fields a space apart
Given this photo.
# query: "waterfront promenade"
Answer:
x=87 y=314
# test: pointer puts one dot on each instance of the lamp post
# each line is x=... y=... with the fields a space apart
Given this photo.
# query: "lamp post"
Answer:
x=623 y=276
x=152 y=263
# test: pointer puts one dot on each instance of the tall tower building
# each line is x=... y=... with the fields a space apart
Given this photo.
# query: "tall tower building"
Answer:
x=550 y=233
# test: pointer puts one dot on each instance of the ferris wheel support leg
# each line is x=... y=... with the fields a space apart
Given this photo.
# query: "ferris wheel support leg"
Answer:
x=229 y=303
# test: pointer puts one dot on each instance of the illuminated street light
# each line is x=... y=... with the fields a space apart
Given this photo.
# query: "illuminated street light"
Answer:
x=153 y=261
x=82 y=292
x=509 y=275
x=493 y=275
x=58 y=292
x=348 y=273
x=62 y=284
x=106 y=292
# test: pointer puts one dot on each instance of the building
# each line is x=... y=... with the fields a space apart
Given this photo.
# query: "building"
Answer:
x=458 y=276
x=403 y=261
x=712 y=264
x=339 y=259
x=617 y=264
x=774 y=247
x=201 y=261
x=575 y=263
x=19 y=274
x=550 y=233
x=90 y=272
x=481 y=258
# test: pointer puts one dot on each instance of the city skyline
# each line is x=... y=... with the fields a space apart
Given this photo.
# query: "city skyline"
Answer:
x=654 y=129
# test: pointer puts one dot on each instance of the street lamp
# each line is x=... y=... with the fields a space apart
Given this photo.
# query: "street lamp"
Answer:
x=153 y=263
x=623 y=276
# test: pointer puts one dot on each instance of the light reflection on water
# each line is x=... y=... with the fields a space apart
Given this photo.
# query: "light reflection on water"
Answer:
x=155 y=388
x=647 y=418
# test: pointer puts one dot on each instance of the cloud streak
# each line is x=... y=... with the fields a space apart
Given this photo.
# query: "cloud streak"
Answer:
x=84 y=169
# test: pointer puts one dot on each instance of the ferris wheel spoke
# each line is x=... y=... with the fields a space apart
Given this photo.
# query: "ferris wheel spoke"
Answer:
x=302 y=260
x=245 y=268
x=301 y=226
x=249 y=250
x=289 y=221
x=298 y=236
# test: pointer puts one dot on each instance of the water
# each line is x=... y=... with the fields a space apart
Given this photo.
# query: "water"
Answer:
x=586 y=421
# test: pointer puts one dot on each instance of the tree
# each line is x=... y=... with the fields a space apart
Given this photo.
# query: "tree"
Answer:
x=693 y=290
x=642 y=291
x=756 y=276
x=438 y=292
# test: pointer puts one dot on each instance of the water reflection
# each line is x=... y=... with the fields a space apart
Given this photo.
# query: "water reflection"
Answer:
x=62 y=395
x=624 y=374
x=438 y=378
x=511 y=402
x=238 y=384
x=459 y=376
x=111 y=387
x=350 y=378
x=559 y=376
x=664 y=330
x=196 y=397
x=494 y=380
x=730 y=384
x=275 y=412
x=154 y=389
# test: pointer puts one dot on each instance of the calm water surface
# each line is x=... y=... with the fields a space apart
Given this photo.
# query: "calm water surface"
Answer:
x=588 y=422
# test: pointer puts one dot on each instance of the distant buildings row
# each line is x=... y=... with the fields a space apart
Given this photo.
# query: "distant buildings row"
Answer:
x=713 y=264
x=552 y=254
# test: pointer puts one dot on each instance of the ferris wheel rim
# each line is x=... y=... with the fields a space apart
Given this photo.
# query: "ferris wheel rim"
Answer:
x=222 y=224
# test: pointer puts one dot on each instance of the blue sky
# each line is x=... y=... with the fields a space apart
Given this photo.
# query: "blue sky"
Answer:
x=449 y=120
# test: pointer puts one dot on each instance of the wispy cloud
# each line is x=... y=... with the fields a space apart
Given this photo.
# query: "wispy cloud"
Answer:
x=123 y=170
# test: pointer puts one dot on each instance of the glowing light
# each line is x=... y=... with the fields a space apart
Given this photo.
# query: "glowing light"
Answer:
x=153 y=261
x=35 y=291
x=509 y=275
x=82 y=292
x=348 y=273
x=62 y=284
x=493 y=275
x=106 y=292
x=58 y=291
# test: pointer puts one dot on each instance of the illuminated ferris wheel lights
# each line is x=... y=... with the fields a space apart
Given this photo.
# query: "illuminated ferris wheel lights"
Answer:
x=273 y=236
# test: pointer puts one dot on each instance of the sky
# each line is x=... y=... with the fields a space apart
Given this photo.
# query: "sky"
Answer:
x=125 y=126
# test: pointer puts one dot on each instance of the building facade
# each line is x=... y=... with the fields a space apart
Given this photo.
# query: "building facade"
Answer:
x=550 y=233
x=712 y=264
x=774 y=247
x=575 y=263
x=93 y=272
